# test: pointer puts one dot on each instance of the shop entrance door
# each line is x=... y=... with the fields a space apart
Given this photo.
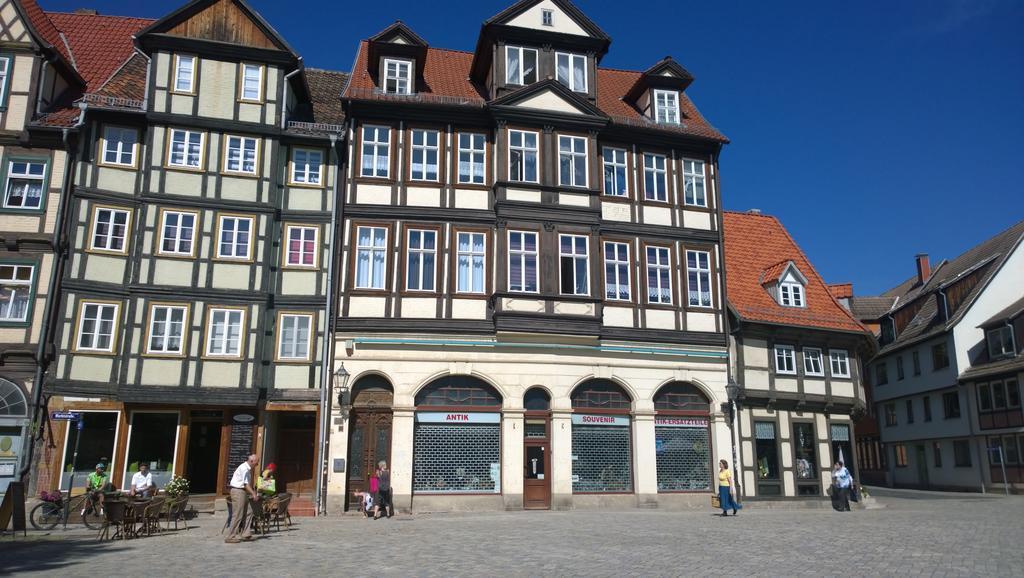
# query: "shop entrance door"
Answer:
x=203 y=455
x=536 y=479
x=369 y=442
x=296 y=451
x=922 y=465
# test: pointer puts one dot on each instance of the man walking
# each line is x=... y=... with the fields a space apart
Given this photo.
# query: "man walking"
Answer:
x=241 y=510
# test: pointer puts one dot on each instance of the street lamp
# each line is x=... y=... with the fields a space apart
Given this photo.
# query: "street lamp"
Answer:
x=341 y=386
x=732 y=391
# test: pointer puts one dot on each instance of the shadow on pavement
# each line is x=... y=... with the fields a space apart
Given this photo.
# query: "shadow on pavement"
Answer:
x=50 y=555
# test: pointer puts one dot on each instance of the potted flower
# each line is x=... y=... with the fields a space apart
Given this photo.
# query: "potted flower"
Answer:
x=177 y=487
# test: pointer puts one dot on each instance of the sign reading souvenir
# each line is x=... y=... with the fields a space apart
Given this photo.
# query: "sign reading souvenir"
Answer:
x=607 y=420
x=680 y=422
x=457 y=417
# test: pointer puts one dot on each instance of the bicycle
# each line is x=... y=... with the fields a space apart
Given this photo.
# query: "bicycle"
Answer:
x=47 y=515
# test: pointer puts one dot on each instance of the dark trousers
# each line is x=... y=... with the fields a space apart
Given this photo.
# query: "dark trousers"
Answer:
x=384 y=501
x=840 y=499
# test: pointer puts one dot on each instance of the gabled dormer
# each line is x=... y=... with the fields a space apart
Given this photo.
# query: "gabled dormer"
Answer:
x=395 y=59
x=658 y=93
x=549 y=101
x=786 y=284
x=536 y=40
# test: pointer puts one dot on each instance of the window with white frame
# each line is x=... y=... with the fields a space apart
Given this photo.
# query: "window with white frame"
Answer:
x=698 y=277
x=839 y=362
x=186 y=149
x=471 y=264
x=693 y=183
x=97 y=326
x=423 y=160
x=376 y=151
x=184 y=73
x=15 y=291
x=659 y=275
x=791 y=294
x=421 y=260
x=302 y=246
x=119 y=145
x=666 y=106
x=1000 y=342
x=812 y=361
x=252 y=82
x=371 y=257
x=617 y=284
x=472 y=158
x=5 y=68
x=574 y=264
x=572 y=161
x=167 y=329
x=224 y=332
x=520 y=65
x=241 y=154
x=785 y=359
x=306 y=166
x=655 y=178
x=293 y=336
x=571 y=71
x=522 y=261
x=397 y=76
x=177 y=232
x=547 y=17
x=25 y=184
x=616 y=175
x=235 y=237
x=109 y=229
x=522 y=156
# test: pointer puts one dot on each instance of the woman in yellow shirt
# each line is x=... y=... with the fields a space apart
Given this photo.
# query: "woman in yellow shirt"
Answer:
x=726 y=501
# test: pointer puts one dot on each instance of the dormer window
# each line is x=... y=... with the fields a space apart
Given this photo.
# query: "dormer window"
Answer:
x=791 y=295
x=1000 y=342
x=572 y=71
x=397 y=76
x=666 y=106
x=520 y=65
x=547 y=17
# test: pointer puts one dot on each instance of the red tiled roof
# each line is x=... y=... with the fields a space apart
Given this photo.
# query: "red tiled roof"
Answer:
x=446 y=75
x=754 y=243
x=841 y=290
x=44 y=26
x=99 y=44
x=773 y=272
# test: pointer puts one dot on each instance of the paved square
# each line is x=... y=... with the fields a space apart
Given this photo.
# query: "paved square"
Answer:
x=916 y=534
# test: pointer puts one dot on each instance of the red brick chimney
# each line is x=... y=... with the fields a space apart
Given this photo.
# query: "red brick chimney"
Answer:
x=924 y=269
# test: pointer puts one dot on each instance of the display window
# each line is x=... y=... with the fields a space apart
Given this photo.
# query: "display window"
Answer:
x=457 y=439
x=98 y=438
x=682 y=438
x=602 y=456
x=152 y=440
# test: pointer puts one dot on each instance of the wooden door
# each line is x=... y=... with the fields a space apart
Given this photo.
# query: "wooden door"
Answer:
x=296 y=451
x=369 y=442
x=201 y=465
x=536 y=466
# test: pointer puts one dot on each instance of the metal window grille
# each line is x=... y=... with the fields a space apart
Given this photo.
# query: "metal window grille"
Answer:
x=535 y=430
x=602 y=459
x=451 y=459
x=682 y=458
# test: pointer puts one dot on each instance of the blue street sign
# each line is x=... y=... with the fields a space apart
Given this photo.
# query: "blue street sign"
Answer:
x=65 y=415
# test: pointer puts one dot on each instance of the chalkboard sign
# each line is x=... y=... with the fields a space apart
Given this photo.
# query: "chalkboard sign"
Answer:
x=243 y=427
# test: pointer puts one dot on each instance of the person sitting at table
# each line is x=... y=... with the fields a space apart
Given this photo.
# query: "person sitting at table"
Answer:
x=142 y=482
x=96 y=484
x=266 y=485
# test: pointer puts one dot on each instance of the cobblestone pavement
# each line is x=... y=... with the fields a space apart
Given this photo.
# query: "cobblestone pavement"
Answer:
x=969 y=535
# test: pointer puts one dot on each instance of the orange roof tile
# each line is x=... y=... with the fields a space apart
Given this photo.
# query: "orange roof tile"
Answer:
x=99 y=44
x=753 y=244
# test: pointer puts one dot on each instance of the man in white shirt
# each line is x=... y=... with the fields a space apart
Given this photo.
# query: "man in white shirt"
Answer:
x=142 y=482
x=241 y=492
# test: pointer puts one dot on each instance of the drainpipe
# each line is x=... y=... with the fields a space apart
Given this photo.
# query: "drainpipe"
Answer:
x=56 y=271
x=327 y=362
x=284 y=101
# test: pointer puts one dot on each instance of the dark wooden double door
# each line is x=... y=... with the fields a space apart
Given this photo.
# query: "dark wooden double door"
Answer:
x=369 y=442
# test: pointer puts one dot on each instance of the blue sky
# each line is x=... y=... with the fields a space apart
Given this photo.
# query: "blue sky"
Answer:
x=873 y=130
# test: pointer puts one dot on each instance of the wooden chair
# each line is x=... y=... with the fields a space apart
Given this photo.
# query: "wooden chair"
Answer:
x=151 y=515
x=279 y=511
x=113 y=517
x=176 y=510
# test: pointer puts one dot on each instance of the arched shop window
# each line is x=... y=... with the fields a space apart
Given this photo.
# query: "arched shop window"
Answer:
x=12 y=400
x=457 y=441
x=537 y=404
x=602 y=456
x=682 y=437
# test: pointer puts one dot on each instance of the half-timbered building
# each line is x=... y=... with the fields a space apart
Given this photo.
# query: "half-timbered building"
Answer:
x=192 y=322
x=531 y=306
x=798 y=356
